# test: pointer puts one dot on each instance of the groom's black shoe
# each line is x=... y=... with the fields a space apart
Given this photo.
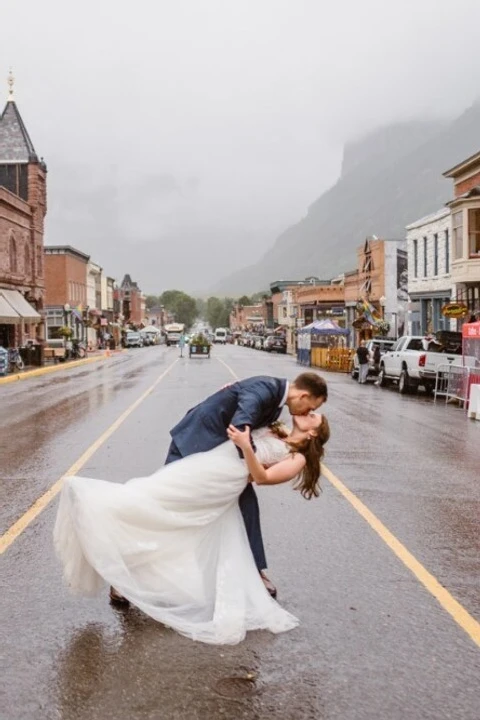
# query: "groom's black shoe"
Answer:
x=269 y=585
x=117 y=599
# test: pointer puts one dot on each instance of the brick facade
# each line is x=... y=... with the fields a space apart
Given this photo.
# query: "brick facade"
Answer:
x=463 y=186
x=65 y=277
x=131 y=302
x=465 y=209
x=23 y=205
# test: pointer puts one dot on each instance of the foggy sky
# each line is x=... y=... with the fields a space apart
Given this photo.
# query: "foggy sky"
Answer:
x=182 y=136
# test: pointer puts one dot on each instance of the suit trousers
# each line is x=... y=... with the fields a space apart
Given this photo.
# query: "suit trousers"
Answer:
x=250 y=510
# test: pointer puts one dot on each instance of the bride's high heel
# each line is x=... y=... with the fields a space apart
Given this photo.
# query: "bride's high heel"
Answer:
x=269 y=585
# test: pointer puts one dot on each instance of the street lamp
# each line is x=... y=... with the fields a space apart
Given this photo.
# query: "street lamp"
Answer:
x=66 y=314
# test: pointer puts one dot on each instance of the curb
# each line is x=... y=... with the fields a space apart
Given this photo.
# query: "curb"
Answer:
x=50 y=369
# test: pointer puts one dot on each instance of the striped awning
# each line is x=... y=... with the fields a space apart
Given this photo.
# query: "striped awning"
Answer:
x=21 y=307
x=8 y=316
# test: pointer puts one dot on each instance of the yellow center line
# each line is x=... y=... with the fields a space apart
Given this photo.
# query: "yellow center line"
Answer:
x=458 y=613
x=39 y=505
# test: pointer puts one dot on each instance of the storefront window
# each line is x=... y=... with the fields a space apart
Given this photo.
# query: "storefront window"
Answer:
x=55 y=320
x=474 y=232
x=457 y=226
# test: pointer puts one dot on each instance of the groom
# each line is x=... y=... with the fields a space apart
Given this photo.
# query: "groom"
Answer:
x=255 y=402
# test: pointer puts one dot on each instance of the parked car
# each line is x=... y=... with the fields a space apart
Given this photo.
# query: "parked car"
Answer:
x=259 y=341
x=133 y=339
x=275 y=343
x=147 y=338
x=414 y=360
x=374 y=367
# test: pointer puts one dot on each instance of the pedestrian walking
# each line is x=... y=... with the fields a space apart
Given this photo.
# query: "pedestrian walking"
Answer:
x=363 y=356
x=181 y=344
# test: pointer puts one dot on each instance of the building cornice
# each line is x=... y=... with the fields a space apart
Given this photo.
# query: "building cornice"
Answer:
x=463 y=166
x=66 y=250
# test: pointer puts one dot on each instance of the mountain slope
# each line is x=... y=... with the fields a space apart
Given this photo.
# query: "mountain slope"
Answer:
x=389 y=179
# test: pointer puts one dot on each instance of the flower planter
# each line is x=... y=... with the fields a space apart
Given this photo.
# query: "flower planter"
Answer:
x=199 y=351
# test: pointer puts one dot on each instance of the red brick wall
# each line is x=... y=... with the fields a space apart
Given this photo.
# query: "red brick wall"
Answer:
x=15 y=219
x=136 y=314
x=55 y=280
x=26 y=222
x=61 y=271
x=465 y=185
x=37 y=198
x=135 y=307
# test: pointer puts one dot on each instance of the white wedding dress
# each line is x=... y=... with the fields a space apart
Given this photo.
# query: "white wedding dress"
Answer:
x=174 y=544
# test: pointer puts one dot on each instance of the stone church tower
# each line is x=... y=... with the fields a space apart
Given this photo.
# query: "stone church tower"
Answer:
x=23 y=205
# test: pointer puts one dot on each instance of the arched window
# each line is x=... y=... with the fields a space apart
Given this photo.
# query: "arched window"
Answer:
x=13 y=254
x=40 y=261
x=27 y=260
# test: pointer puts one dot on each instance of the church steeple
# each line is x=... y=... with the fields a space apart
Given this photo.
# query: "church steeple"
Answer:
x=15 y=143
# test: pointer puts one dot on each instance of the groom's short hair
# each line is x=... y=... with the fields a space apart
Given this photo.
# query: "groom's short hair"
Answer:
x=312 y=383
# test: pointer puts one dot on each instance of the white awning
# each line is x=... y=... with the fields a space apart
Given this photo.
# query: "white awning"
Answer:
x=8 y=316
x=21 y=306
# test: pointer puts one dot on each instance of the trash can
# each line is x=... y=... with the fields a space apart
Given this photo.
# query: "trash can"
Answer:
x=3 y=361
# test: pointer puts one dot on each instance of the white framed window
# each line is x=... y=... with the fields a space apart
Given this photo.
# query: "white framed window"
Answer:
x=457 y=227
x=474 y=232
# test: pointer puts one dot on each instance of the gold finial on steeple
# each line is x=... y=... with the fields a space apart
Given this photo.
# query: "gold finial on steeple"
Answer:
x=11 y=82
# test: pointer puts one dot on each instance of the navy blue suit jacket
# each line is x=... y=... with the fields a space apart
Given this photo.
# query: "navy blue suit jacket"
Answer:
x=255 y=402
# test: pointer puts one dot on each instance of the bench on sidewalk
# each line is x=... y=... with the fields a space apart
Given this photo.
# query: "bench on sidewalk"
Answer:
x=53 y=354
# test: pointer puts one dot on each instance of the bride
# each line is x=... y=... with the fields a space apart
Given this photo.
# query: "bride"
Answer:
x=174 y=543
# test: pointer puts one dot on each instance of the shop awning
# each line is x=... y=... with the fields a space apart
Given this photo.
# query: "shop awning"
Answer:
x=8 y=316
x=21 y=306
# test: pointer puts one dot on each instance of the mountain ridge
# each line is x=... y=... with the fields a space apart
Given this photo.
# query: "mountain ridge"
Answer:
x=390 y=177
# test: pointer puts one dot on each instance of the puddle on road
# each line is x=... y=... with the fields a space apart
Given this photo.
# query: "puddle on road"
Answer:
x=238 y=686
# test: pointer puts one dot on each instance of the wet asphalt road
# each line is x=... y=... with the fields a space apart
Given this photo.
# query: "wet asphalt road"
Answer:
x=373 y=642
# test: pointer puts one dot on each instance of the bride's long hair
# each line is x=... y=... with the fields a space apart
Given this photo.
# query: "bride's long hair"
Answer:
x=313 y=451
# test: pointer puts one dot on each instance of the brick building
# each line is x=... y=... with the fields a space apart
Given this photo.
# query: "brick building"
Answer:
x=23 y=205
x=465 y=209
x=380 y=279
x=131 y=302
x=65 y=290
x=247 y=318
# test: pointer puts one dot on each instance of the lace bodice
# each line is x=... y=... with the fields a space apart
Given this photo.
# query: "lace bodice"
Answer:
x=270 y=449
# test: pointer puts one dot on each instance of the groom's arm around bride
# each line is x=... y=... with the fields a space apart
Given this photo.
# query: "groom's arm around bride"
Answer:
x=255 y=402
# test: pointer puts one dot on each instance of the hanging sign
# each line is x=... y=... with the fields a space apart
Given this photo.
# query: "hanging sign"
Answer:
x=455 y=310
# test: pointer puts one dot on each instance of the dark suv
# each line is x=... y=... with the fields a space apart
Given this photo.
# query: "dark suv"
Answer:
x=275 y=343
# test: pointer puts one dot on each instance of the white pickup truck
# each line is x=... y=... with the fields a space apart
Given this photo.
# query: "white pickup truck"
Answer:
x=414 y=360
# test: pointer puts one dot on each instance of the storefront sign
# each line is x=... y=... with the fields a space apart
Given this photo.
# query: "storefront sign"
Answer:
x=454 y=310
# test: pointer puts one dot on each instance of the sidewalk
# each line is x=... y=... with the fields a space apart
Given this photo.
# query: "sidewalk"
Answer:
x=46 y=369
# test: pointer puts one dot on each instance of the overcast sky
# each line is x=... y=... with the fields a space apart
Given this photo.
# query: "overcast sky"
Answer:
x=172 y=124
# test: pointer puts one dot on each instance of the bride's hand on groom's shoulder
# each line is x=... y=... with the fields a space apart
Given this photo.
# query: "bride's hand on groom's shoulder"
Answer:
x=241 y=438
